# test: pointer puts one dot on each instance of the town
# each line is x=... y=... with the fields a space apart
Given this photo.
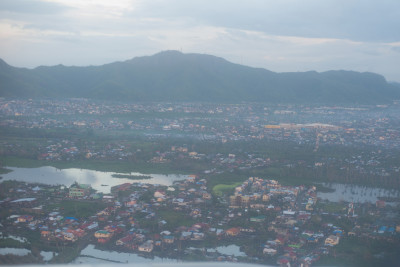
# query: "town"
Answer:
x=257 y=187
x=270 y=223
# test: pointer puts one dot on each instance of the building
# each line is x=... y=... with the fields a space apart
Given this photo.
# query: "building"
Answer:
x=25 y=218
x=103 y=234
x=332 y=240
x=168 y=239
x=232 y=231
x=146 y=246
x=79 y=190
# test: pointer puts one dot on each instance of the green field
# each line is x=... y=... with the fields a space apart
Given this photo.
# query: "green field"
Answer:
x=77 y=209
x=224 y=189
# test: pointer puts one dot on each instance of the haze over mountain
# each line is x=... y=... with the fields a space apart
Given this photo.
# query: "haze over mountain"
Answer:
x=174 y=76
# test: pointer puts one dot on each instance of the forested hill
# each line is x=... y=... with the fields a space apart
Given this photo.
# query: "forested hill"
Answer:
x=174 y=76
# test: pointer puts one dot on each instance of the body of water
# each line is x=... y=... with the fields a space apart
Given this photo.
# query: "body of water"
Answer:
x=356 y=194
x=92 y=255
x=231 y=250
x=14 y=251
x=100 y=181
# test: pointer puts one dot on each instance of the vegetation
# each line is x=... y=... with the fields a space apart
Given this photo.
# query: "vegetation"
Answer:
x=154 y=79
x=174 y=218
x=78 y=209
x=357 y=252
x=224 y=189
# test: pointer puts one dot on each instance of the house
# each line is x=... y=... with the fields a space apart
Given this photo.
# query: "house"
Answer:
x=269 y=251
x=69 y=236
x=120 y=188
x=103 y=234
x=79 y=190
x=125 y=240
x=45 y=234
x=89 y=226
x=185 y=235
x=159 y=194
x=25 y=218
x=104 y=212
x=245 y=200
x=233 y=231
x=338 y=232
x=79 y=233
x=197 y=236
x=260 y=218
x=332 y=240
x=247 y=230
x=351 y=233
x=168 y=239
x=265 y=197
x=130 y=204
x=146 y=246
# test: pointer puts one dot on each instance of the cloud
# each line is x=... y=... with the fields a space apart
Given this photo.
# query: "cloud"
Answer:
x=357 y=20
x=284 y=35
x=396 y=49
x=32 y=7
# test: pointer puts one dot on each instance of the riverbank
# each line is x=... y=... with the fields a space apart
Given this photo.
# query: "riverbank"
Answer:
x=103 y=166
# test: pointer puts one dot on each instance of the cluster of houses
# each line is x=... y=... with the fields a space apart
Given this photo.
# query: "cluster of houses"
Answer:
x=135 y=217
x=371 y=130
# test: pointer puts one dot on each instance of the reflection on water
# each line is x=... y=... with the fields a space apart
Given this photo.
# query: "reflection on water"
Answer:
x=230 y=250
x=356 y=194
x=101 y=181
x=14 y=251
x=92 y=255
x=47 y=255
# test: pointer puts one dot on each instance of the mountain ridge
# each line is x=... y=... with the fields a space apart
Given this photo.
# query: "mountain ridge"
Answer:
x=174 y=76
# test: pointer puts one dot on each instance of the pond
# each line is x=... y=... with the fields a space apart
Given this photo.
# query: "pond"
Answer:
x=355 y=193
x=100 y=181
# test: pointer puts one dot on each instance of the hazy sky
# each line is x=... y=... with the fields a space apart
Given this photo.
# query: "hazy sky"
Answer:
x=279 y=35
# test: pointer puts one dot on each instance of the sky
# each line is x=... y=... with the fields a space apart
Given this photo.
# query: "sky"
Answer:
x=278 y=35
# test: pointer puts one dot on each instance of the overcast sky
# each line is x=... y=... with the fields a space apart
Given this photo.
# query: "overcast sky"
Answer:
x=279 y=35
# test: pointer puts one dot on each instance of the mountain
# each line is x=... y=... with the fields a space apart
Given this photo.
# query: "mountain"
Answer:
x=174 y=76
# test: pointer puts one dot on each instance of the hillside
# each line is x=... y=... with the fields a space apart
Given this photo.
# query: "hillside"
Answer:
x=174 y=76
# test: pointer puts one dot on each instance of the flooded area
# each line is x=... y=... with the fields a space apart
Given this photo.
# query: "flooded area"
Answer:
x=100 y=181
x=231 y=250
x=14 y=251
x=91 y=255
x=47 y=255
x=356 y=194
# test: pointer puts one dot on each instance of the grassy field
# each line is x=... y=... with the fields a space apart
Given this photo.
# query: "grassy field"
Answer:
x=332 y=207
x=175 y=219
x=224 y=189
x=78 y=209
